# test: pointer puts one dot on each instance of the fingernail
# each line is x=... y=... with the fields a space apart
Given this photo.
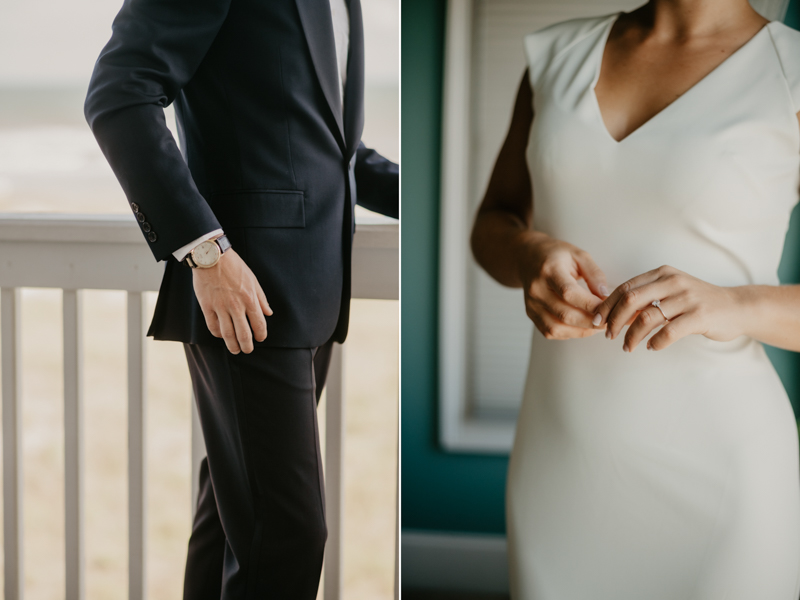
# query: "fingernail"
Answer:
x=597 y=319
x=625 y=347
x=608 y=334
x=649 y=347
x=603 y=290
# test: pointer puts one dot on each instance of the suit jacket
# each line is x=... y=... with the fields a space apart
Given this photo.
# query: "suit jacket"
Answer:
x=267 y=154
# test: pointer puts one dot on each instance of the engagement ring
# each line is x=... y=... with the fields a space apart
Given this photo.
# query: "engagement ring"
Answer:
x=657 y=304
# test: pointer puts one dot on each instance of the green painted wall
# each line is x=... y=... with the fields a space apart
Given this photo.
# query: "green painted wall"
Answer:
x=442 y=491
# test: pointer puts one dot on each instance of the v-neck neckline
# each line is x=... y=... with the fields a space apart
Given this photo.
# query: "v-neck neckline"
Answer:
x=599 y=65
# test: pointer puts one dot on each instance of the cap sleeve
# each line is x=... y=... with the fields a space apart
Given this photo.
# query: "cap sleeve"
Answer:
x=544 y=45
x=787 y=45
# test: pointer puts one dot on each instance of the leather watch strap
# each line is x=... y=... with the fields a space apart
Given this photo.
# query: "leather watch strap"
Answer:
x=223 y=243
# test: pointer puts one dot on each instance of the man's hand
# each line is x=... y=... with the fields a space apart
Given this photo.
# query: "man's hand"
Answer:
x=230 y=295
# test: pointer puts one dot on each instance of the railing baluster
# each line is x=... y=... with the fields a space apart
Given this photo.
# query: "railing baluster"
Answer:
x=12 y=443
x=74 y=551
x=136 y=449
x=198 y=453
x=334 y=473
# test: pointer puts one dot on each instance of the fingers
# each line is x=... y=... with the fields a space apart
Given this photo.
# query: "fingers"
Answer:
x=244 y=336
x=238 y=325
x=228 y=332
x=592 y=274
x=672 y=332
x=567 y=289
x=262 y=301
x=255 y=314
x=632 y=301
x=648 y=320
x=606 y=306
x=551 y=327
x=632 y=296
x=212 y=322
x=563 y=312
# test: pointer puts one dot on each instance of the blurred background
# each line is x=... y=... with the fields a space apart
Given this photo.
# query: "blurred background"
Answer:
x=463 y=375
x=50 y=163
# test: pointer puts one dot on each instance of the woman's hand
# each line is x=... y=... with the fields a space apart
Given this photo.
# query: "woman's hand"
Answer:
x=559 y=307
x=692 y=306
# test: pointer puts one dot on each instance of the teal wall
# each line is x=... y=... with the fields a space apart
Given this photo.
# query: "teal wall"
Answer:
x=442 y=491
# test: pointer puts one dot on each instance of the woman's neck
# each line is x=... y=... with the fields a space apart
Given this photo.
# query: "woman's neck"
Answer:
x=682 y=20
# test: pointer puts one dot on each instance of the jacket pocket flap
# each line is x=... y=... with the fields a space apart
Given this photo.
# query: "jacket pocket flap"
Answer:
x=260 y=208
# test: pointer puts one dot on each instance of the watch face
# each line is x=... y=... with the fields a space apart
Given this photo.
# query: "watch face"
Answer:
x=206 y=254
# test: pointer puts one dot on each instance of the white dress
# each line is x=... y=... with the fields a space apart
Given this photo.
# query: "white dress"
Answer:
x=674 y=474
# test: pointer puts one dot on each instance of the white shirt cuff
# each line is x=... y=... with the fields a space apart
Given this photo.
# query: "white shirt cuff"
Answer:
x=181 y=252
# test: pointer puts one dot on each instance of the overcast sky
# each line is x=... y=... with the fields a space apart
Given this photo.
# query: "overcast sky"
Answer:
x=57 y=41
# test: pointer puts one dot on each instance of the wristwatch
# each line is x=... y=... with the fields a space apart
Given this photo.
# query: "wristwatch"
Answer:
x=206 y=254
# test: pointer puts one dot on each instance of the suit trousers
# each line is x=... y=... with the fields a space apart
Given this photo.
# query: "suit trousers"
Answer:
x=259 y=530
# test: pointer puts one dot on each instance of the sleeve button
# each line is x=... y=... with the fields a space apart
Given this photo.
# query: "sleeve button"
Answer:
x=140 y=217
x=135 y=207
x=146 y=227
x=152 y=237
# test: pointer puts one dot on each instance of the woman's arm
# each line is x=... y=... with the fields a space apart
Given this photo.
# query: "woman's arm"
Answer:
x=506 y=246
x=771 y=314
x=502 y=225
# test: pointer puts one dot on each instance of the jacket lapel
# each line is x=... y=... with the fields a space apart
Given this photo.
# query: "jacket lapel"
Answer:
x=318 y=26
x=354 y=87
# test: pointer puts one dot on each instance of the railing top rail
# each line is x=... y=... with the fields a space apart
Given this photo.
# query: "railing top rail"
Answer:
x=107 y=251
x=123 y=229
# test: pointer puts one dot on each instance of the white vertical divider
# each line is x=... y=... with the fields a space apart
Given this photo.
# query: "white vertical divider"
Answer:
x=334 y=474
x=137 y=416
x=74 y=548
x=12 y=443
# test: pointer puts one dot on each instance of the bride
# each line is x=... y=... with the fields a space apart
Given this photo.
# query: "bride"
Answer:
x=641 y=200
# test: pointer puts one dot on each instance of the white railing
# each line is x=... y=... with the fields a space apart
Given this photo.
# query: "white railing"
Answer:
x=78 y=252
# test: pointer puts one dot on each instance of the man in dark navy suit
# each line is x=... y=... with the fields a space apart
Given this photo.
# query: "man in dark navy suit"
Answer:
x=255 y=222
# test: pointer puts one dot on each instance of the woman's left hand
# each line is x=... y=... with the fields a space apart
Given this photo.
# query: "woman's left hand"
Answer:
x=692 y=306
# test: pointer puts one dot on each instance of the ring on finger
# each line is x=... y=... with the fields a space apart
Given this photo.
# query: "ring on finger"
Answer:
x=657 y=304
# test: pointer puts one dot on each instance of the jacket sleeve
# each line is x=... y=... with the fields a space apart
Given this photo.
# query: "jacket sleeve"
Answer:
x=155 y=48
x=378 y=181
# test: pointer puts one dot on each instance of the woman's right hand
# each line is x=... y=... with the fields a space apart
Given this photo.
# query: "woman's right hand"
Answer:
x=554 y=300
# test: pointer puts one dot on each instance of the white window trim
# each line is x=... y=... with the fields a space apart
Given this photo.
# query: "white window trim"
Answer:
x=460 y=430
